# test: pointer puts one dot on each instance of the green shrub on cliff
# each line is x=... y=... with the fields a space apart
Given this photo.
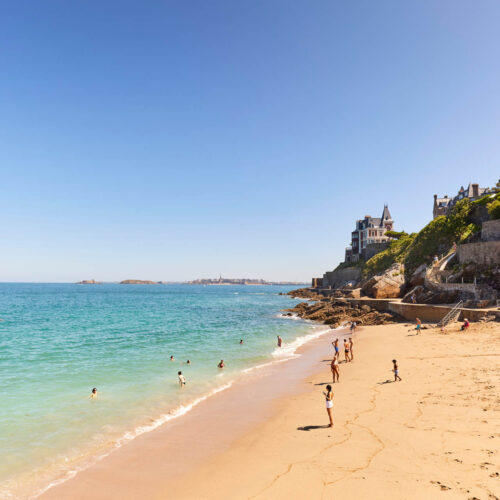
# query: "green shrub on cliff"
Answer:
x=395 y=252
x=494 y=209
x=437 y=237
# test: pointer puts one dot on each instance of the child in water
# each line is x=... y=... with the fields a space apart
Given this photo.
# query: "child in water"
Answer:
x=182 y=379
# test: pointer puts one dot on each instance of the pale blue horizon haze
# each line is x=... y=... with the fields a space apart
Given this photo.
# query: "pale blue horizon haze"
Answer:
x=179 y=140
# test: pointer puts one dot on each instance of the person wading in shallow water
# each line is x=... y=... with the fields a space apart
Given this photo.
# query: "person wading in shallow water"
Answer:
x=335 y=369
x=329 y=403
x=280 y=341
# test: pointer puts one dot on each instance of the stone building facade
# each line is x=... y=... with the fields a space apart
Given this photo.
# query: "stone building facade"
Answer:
x=443 y=206
x=370 y=232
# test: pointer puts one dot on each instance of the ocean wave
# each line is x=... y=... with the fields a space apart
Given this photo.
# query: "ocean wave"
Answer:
x=289 y=350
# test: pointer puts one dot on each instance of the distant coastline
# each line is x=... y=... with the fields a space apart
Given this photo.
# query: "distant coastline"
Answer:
x=208 y=281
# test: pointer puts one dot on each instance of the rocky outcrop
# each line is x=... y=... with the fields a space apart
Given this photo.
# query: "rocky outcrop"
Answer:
x=387 y=285
x=138 y=282
x=336 y=312
x=304 y=293
x=418 y=276
x=89 y=282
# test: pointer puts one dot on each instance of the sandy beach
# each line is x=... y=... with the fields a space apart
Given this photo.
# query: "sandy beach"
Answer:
x=435 y=434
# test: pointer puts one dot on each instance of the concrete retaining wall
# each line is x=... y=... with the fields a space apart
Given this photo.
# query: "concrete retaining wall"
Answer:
x=483 y=252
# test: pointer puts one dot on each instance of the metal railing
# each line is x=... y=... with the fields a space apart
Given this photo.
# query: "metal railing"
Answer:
x=452 y=315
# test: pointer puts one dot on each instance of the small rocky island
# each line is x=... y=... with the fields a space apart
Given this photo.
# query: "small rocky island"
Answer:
x=89 y=282
x=139 y=282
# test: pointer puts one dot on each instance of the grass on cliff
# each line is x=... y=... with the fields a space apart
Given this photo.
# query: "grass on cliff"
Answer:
x=437 y=237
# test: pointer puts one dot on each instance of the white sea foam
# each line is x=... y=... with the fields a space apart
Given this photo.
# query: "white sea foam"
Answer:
x=289 y=350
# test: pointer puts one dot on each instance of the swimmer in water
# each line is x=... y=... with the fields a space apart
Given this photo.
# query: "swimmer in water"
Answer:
x=188 y=362
x=396 y=371
x=182 y=379
x=280 y=341
x=241 y=341
x=172 y=358
x=93 y=394
x=221 y=364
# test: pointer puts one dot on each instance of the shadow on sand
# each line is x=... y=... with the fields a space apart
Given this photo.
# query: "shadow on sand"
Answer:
x=385 y=382
x=313 y=427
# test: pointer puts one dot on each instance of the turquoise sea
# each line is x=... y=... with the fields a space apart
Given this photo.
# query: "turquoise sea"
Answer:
x=57 y=341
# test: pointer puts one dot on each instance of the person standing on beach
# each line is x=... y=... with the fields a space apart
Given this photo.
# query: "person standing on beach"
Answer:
x=396 y=371
x=182 y=379
x=419 y=325
x=336 y=347
x=346 y=351
x=280 y=341
x=335 y=369
x=329 y=403
x=350 y=347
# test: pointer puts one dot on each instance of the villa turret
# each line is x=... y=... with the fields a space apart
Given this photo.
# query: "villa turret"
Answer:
x=369 y=236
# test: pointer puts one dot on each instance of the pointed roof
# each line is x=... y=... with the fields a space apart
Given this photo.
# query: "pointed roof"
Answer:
x=386 y=215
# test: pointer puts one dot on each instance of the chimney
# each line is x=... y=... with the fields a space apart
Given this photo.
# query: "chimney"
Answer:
x=475 y=190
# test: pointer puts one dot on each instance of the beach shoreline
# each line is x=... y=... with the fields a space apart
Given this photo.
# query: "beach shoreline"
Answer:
x=254 y=377
x=396 y=438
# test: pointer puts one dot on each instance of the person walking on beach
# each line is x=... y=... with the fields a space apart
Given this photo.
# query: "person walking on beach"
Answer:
x=329 y=403
x=346 y=351
x=93 y=394
x=221 y=364
x=280 y=341
x=336 y=347
x=419 y=325
x=335 y=369
x=182 y=379
x=396 y=371
x=353 y=326
x=350 y=348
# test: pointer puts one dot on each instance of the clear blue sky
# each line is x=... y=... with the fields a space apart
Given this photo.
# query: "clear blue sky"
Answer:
x=177 y=140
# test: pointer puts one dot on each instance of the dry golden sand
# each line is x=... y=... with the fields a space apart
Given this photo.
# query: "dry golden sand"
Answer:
x=436 y=434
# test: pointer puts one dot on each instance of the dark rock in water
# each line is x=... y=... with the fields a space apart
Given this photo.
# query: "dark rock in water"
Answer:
x=336 y=312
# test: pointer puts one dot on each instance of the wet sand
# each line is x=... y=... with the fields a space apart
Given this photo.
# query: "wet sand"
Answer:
x=435 y=434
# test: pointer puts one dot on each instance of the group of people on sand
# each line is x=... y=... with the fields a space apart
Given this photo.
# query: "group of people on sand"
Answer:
x=348 y=357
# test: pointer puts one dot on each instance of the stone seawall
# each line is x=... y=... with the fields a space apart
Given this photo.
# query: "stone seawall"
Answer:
x=483 y=252
x=426 y=312
x=491 y=230
x=336 y=279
